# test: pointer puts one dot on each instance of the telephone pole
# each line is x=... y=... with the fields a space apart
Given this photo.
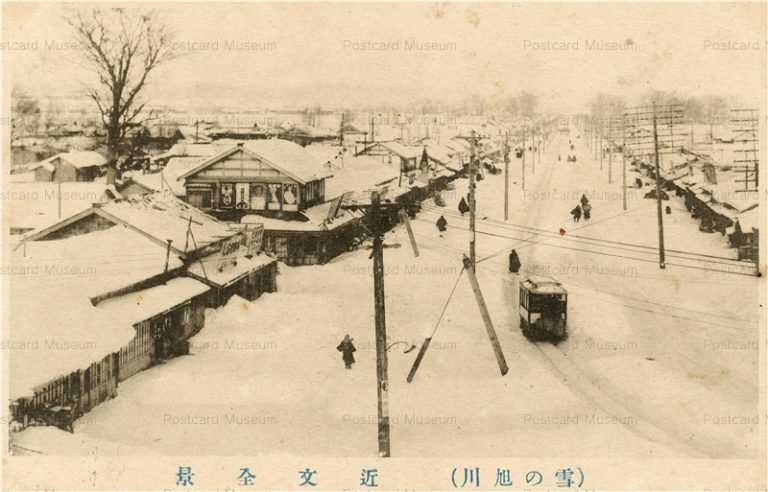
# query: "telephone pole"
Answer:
x=524 y=152
x=637 y=120
x=470 y=265
x=382 y=386
x=610 y=151
x=662 y=263
x=623 y=165
x=600 y=145
x=506 y=176
x=472 y=196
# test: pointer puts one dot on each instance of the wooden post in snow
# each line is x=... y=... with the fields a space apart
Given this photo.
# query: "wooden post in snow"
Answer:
x=382 y=386
x=470 y=268
x=411 y=237
x=662 y=262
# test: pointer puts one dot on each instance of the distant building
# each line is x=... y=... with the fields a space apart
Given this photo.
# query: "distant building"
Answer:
x=70 y=166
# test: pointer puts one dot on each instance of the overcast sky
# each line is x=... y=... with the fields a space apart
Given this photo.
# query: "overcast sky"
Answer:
x=299 y=54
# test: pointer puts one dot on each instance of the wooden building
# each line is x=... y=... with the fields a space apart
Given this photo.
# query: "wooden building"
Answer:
x=164 y=316
x=320 y=234
x=272 y=176
x=70 y=166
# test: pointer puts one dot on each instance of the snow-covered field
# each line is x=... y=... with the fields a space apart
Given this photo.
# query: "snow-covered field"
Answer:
x=659 y=363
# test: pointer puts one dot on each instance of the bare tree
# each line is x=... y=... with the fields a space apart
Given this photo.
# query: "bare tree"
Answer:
x=122 y=47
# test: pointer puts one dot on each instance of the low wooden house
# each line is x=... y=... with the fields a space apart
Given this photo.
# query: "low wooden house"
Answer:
x=70 y=166
x=164 y=316
x=322 y=233
x=392 y=152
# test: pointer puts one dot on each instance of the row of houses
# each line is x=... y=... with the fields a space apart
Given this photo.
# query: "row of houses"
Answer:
x=297 y=192
x=125 y=281
x=714 y=195
x=115 y=289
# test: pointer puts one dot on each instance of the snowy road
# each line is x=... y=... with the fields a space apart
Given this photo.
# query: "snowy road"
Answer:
x=665 y=367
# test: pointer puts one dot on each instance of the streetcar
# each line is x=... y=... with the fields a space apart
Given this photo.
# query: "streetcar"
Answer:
x=543 y=309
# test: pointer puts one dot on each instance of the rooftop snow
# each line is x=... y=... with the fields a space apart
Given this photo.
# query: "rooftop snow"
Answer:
x=35 y=205
x=285 y=156
x=101 y=261
x=54 y=330
x=76 y=158
x=231 y=272
x=316 y=220
x=144 y=304
x=165 y=217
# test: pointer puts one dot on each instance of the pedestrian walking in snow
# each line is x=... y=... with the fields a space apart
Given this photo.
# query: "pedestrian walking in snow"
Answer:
x=347 y=349
x=584 y=200
x=576 y=212
x=442 y=225
x=463 y=207
x=587 y=208
x=514 y=262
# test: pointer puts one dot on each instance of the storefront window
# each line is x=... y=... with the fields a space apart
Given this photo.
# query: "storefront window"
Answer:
x=290 y=197
x=227 y=195
x=274 y=196
x=258 y=196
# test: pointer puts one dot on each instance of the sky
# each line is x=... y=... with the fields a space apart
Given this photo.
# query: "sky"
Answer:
x=346 y=54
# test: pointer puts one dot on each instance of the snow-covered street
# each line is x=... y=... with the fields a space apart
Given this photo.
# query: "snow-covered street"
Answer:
x=646 y=371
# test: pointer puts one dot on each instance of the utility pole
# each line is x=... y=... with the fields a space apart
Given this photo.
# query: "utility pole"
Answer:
x=382 y=386
x=610 y=150
x=623 y=165
x=469 y=266
x=524 y=152
x=506 y=176
x=600 y=144
x=662 y=263
x=533 y=151
x=472 y=196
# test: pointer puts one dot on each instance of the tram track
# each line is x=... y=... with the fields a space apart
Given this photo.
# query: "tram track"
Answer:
x=676 y=434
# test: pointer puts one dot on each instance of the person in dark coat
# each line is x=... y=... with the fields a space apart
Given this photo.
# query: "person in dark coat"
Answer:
x=514 y=262
x=463 y=207
x=587 y=208
x=347 y=349
x=442 y=225
x=584 y=200
x=668 y=210
x=576 y=212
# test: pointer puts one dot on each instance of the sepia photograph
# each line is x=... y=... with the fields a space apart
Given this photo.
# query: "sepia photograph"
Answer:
x=395 y=246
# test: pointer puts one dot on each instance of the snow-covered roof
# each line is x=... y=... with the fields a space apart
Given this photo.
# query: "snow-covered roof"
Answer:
x=76 y=158
x=209 y=269
x=144 y=304
x=35 y=205
x=542 y=284
x=315 y=220
x=404 y=151
x=162 y=217
x=749 y=219
x=191 y=149
x=54 y=329
x=105 y=260
x=288 y=157
x=359 y=173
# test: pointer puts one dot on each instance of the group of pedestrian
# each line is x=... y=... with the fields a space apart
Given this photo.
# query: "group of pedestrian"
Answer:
x=584 y=208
